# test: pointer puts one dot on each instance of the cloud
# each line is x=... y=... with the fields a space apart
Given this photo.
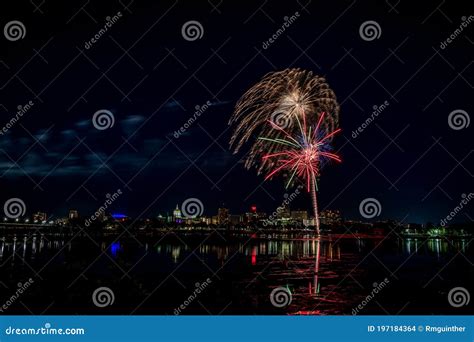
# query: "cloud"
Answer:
x=131 y=123
x=173 y=104
x=83 y=123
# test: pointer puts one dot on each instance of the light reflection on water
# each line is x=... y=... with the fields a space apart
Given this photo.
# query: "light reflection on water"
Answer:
x=436 y=246
x=13 y=246
x=326 y=276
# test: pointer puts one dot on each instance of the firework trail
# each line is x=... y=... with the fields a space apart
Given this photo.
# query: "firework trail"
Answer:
x=302 y=156
x=288 y=110
x=303 y=153
x=281 y=97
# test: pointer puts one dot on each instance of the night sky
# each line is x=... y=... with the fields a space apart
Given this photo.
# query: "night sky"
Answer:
x=151 y=79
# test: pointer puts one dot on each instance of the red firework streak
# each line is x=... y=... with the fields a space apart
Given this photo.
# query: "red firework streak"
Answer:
x=303 y=156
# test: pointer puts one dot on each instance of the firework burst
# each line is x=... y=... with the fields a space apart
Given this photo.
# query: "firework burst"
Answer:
x=303 y=153
x=288 y=110
x=281 y=97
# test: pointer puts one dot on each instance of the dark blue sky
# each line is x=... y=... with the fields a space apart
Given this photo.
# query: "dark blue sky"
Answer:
x=151 y=79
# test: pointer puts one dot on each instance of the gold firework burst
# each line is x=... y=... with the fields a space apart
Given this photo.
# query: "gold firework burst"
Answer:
x=279 y=97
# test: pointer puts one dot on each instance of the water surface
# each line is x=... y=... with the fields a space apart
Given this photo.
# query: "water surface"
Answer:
x=157 y=275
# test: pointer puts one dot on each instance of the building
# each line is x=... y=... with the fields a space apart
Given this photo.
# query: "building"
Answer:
x=223 y=216
x=177 y=213
x=283 y=212
x=206 y=220
x=40 y=217
x=73 y=214
x=254 y=215
x=161 y=219
x=330 y=217
x=119 y=217
x=169 y=218
x=235 y=219
x=62 y=221
x=299 y=215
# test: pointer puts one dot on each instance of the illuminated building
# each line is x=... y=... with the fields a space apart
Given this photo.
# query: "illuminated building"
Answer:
x=119 y=217
x=254 y=215
x=235 y=219
x=177 y=213
x=161 y=219
x=169 y=218
x=73 y=214
x=299 y=215
x=223 y=215
x=250 y=217
x=39 y=217
x=330 y=217
x=193 y=221
x=283 y=212
x=61 y=221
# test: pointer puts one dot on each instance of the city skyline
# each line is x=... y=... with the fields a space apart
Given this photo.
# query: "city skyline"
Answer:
x=266 y=158
x=285 y=212
x=169 y=137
